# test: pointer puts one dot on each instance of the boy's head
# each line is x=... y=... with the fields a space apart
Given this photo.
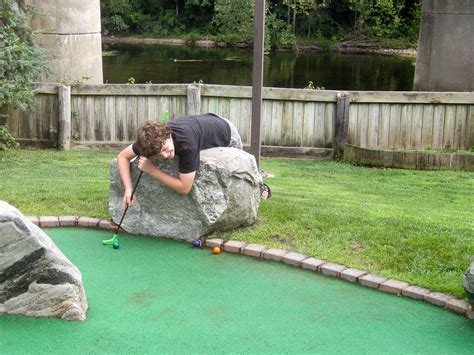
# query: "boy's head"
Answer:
x=154 y=138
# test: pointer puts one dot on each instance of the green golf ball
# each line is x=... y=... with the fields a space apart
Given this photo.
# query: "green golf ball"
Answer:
x=116 y=245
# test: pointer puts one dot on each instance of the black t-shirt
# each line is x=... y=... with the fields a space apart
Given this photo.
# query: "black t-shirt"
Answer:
x=191 y=134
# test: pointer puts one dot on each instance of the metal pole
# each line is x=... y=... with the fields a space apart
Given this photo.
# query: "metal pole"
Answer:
x=257 y=78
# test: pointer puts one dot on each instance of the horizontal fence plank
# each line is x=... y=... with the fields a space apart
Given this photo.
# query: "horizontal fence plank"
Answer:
x=130 y=89
x=270 y=93
x=45 y=88
x=412 y=97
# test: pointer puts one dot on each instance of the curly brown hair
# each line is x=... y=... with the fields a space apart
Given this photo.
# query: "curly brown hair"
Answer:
x=151 y=137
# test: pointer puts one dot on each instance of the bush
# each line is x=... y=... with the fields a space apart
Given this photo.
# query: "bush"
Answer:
x=278 y=32
x=7 y=141
x=234 y=17
x=22 y=62
x=115 y=24
x=140 y=22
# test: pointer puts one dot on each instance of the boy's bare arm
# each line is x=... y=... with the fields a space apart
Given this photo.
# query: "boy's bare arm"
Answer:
x=182 y=185
x=123 y=163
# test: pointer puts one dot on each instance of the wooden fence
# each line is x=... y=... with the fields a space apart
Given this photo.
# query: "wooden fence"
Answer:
x=309 y=120
x=397 y=120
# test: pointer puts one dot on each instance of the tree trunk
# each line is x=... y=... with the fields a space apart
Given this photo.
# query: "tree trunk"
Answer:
x=294 y=21
x=3 y=115
x=355 y=22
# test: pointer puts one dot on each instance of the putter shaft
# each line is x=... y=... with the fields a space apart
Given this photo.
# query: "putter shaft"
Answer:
x=126 y=208
x=114 y=238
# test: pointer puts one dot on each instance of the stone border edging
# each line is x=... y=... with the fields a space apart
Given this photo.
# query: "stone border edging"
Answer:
x=338 y=271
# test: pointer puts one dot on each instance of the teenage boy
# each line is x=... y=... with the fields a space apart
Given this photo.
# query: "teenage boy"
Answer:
x=184 y=137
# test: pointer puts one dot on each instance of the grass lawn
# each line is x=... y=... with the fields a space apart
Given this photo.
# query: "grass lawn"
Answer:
x=416 y=226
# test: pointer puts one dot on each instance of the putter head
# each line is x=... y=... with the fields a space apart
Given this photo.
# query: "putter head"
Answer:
x=110 y=241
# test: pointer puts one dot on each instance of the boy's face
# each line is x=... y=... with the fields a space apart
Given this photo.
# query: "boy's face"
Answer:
x=167 y=152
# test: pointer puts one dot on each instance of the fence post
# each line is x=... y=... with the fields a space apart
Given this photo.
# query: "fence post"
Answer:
x=64 y=121
x=341 y=123
x=193 y=102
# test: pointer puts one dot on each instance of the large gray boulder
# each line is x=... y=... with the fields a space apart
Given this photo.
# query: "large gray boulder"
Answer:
x=468 y=282
x=36 y=279
x=225 y=195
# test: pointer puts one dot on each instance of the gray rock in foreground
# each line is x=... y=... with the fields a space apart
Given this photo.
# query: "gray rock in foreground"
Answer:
x=468 y=282
x=225 y=195
x=36 y=279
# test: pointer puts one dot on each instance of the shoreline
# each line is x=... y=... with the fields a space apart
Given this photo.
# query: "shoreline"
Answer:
x=343 y=47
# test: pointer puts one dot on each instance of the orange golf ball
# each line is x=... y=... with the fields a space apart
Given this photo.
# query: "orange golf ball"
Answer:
x=216 y=250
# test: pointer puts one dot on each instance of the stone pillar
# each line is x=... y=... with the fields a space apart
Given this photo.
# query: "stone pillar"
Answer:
x=69 y=30
x=445 y=60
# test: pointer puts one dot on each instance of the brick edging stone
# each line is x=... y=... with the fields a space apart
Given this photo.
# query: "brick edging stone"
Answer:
x=338 y=271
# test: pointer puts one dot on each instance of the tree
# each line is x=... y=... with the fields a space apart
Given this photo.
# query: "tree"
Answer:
x=235 y=17
x=112 y=14
x=376 y=17
x=299 y=7
x=21 y=61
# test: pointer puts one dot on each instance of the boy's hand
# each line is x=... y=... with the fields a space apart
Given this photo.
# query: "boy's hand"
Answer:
x=127 y=198
x=145 y=164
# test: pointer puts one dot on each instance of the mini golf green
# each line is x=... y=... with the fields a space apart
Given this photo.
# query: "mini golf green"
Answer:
x=155 y=295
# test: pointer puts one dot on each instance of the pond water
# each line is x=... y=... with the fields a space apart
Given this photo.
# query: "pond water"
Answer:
x=232 y=66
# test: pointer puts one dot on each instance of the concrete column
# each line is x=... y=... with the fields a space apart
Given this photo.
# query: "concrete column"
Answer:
x=445 y=60
x=69 y=30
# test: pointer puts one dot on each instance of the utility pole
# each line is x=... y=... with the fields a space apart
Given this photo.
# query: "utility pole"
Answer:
x=257 y=78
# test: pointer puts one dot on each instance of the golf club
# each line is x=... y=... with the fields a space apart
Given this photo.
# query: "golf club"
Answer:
x=114 y=239
x=164 y=118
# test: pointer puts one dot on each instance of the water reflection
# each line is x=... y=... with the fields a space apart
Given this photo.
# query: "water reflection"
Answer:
x=231 y=66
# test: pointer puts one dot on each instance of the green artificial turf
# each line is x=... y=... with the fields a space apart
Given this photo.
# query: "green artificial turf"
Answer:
x=161 y=296
x=416 y=226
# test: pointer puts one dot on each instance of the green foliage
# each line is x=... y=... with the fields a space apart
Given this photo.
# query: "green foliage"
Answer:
x=115 y=7
x=113 y=14
x=115 y=24
x=323 y=41
x=168 y=23
x=125 y=15
x=21 y=60
x=7 y=141
x=139 y=22
x=278 y=32
x=410 y=27
x=21 y=63
x=234 y=17
x=69 y=81
x=287 y=20
x=379 y=18
x=311 y=86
